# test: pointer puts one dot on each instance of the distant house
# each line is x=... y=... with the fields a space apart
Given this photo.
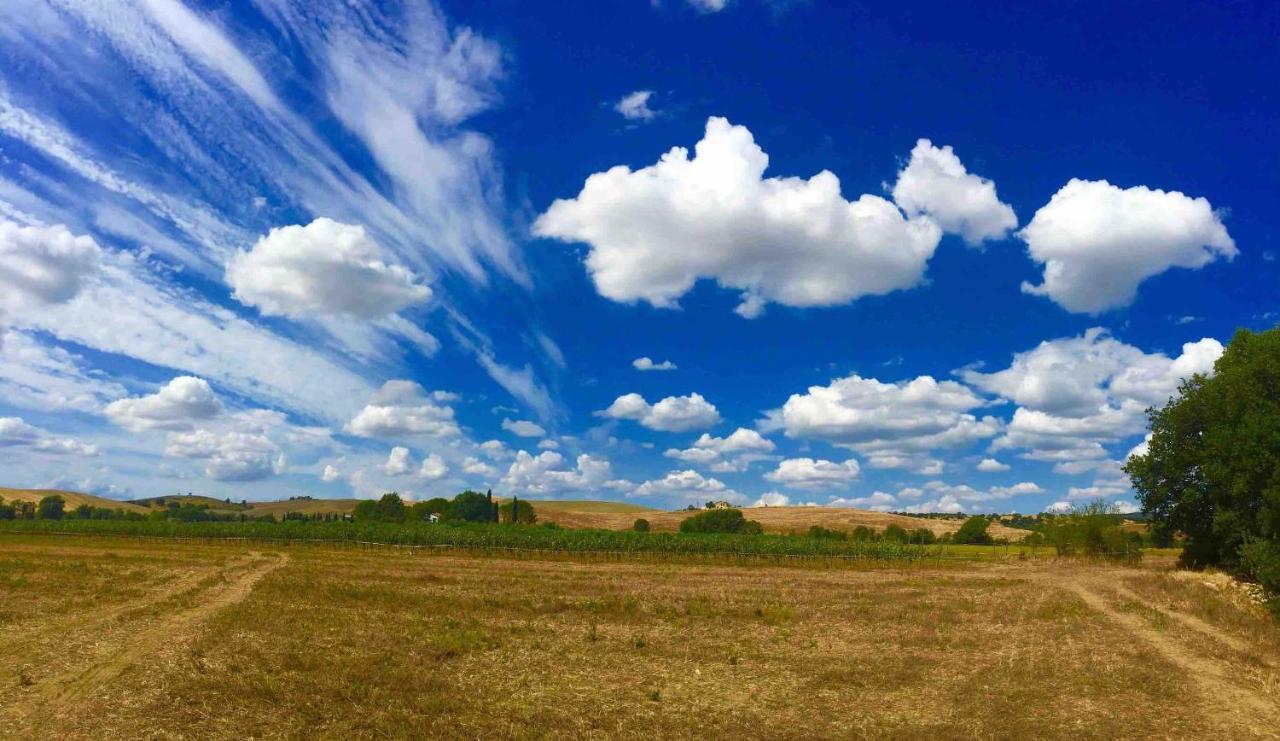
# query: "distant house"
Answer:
x=719 y=504
x=433 y=517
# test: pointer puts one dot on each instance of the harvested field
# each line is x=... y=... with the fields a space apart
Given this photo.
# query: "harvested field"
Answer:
x=129 y=638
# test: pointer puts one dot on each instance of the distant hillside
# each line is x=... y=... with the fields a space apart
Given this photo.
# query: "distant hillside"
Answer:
x=304 y=506
x=74 y=499
x=586 y=506
x=773 y=519
x=196 y=500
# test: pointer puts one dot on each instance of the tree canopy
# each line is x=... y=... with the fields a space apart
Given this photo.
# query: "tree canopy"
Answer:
x=1212 y=467
x=973 y=532
x=720 y=521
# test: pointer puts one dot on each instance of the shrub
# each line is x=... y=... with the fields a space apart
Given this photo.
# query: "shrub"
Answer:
x=862 y=533
x=524 y=512
x=818 y=531
x=366 y=511
x=641 y=525
x=1092 y=530
x=1260 y=561
x=51 y=507
x=973 y=532
x=923 y=536
x=894 y=534
x=720 y=521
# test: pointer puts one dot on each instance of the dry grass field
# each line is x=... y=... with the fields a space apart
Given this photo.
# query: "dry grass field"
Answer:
x=142 y=638
x=73 y=499
x=773 y=519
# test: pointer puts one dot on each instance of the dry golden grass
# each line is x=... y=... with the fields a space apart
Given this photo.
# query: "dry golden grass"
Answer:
x=131 y=639
x=305 y=506
x=548 y=506
x=773 y=519
x=73 y=498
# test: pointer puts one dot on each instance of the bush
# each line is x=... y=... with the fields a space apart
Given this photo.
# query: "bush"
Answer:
x=524 y=513
x=923 y=536
x=1260 y=561
x=973 y=532
x=51 y=507
x=818 y=531
x=366 y=511
x=1092 y=530
x=862 y=533
x=720 y=521
x=894 y=534
x=641 y=525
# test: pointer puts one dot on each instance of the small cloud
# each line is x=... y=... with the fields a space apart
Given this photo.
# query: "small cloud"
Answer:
x=647 y=364
x=523 y=428
x=635 y=106
x=991 y=465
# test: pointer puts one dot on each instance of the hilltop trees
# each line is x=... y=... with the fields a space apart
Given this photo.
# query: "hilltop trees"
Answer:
x=1211 y=470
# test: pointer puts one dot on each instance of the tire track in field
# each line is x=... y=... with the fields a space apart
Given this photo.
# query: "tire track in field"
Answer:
x=187 y=581
x=62 y=694
x=1194 y=623
x=1229 y=705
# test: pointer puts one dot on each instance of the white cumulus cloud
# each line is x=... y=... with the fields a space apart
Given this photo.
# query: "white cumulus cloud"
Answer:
x=402 y=409
x=898 y=420
x=672 y=414
x=433 y=468
x=1075 y=395
x=183 y=401
x=936 y=183
x=991 y=465
x=1098 y=242
x=323 y=268
x=42 y=265
x=399 y=462
x=656 y=231
x=808 y=473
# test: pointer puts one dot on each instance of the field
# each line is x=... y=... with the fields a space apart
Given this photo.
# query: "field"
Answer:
x=126 y=638
x=773 y=519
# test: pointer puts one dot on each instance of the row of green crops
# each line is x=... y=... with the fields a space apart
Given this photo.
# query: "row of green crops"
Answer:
x=482 y=537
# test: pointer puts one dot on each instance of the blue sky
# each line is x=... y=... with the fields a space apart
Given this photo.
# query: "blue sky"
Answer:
x=936 y=257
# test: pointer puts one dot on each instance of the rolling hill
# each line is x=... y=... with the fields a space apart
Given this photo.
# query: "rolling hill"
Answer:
x=73 y=498
x=773 y=519
x=572 y=513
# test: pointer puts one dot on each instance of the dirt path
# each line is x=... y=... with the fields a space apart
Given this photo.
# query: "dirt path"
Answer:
x=1237 y=710
x=60 y=695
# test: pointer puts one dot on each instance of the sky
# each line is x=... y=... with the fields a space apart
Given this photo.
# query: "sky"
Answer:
x=930 y=257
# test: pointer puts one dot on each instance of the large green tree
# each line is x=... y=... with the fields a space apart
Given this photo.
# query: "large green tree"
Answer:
x=470 y=506
x=1212 y=467
x=51 y=507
